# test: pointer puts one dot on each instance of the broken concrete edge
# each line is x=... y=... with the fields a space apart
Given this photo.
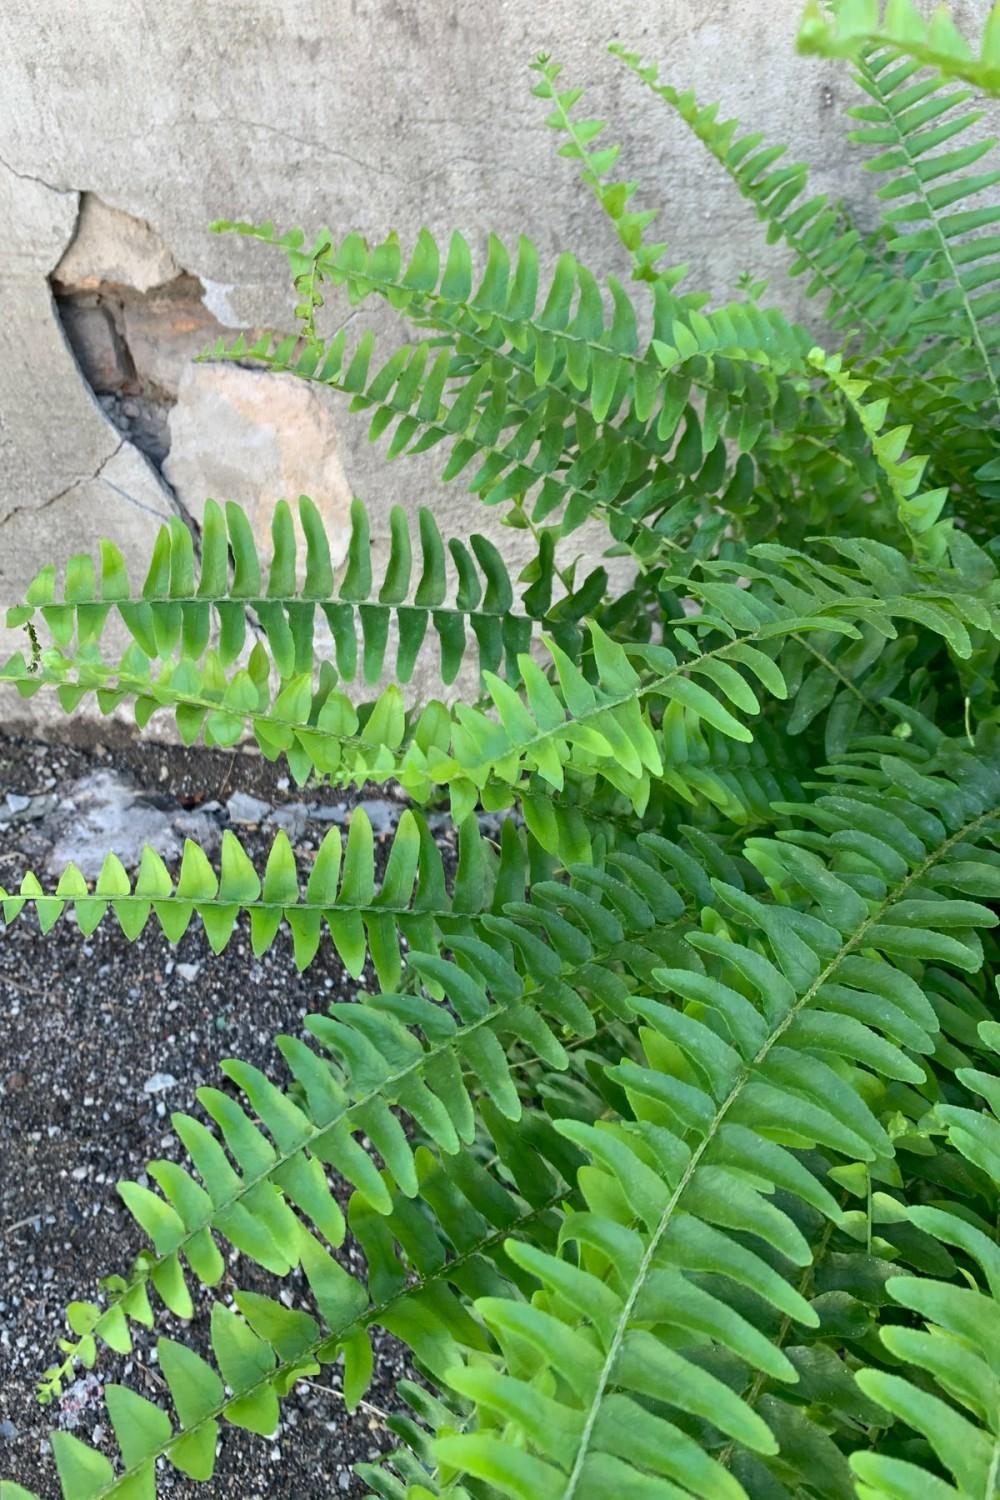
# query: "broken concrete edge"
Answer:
x=110 y=250
x=134 y=320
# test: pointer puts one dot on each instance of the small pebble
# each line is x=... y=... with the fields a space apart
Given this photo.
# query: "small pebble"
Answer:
x=243 y=808
x=158 y=1082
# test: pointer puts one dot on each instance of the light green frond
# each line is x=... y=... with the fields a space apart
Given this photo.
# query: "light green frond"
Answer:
x=597 y=727
x=847 y=29
x=596 y=166
x=912 y=127
x=943 y=1375
x=863 y=299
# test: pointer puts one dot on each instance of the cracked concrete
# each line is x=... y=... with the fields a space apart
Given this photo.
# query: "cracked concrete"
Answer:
x=66 y=475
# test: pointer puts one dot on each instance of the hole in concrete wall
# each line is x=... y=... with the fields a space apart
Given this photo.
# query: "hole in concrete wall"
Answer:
x=134 y=320
x=132 y=347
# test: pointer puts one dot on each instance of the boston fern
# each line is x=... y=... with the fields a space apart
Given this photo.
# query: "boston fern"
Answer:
x=672 y=1125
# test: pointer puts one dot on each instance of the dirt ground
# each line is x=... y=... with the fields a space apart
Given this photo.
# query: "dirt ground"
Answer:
x=100 y=1040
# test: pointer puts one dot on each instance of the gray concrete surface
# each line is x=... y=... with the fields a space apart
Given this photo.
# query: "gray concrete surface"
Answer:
x=364 y=114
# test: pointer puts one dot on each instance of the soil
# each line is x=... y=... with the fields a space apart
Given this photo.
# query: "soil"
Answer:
x=100 y=1040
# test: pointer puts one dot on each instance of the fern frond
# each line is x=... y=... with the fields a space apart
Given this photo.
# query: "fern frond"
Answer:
x=847 y=30
x=598 y=727
x=260 y=1348
x=534 y=370
x=411 y=907
x=918 y=510
x=185 y=604
x=863 y=299
x=668 y=1186
x=912 y=125
x=534 y=974
x=596 y=166
x=843 y=681
x=943 y=1379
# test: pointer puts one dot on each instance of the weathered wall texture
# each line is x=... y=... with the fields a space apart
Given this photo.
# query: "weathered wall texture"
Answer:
x=126 y=126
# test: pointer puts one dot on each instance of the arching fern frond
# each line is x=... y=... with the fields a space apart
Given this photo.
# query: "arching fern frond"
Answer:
x=596 y=166
x=863 y=299
x=565 y=369
x=526 y=979
x=918 y=510
x=411 y=907
x=260 y=1347
x=596 y=727
x=942 y=1380
x=913 y=125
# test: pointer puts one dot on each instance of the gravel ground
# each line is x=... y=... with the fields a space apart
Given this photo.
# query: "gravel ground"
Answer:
x=92 y=1034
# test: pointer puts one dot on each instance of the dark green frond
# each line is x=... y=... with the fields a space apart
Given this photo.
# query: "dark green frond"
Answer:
x=725 y=1086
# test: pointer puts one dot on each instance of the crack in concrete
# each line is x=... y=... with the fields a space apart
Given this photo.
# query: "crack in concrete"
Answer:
x=98 y=476
x=30 y=177
x=69 y=488
x=171 y=497
x=320 y=146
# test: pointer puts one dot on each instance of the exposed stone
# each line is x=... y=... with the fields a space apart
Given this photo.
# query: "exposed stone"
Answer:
x=111 y=246
x=144 y=421
x=104 y=811
x=164 y=334
x=292 y=818
x=98 y=349
x=243 y=808
x=158 y=1083
x=256 y=438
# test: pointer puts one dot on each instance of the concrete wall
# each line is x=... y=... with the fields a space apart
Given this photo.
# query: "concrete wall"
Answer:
x=126 y=127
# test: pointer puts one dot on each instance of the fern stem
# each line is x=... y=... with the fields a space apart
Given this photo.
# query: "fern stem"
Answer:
x=851 y=687
x=248 y=1184
x=762 y=1380
x=144 y=687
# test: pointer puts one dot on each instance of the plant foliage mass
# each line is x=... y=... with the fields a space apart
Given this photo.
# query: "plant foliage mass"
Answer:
x=668 y=1124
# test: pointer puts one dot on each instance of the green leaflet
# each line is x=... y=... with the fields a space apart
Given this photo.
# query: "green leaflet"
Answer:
x=937 y=43
x=555 y=373
x=532 y=979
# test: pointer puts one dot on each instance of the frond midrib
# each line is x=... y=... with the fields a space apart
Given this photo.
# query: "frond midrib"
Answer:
x=147 y=687
x=248 y=1184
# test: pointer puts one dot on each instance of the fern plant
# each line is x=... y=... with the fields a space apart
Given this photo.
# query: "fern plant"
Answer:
x=670 y=1134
